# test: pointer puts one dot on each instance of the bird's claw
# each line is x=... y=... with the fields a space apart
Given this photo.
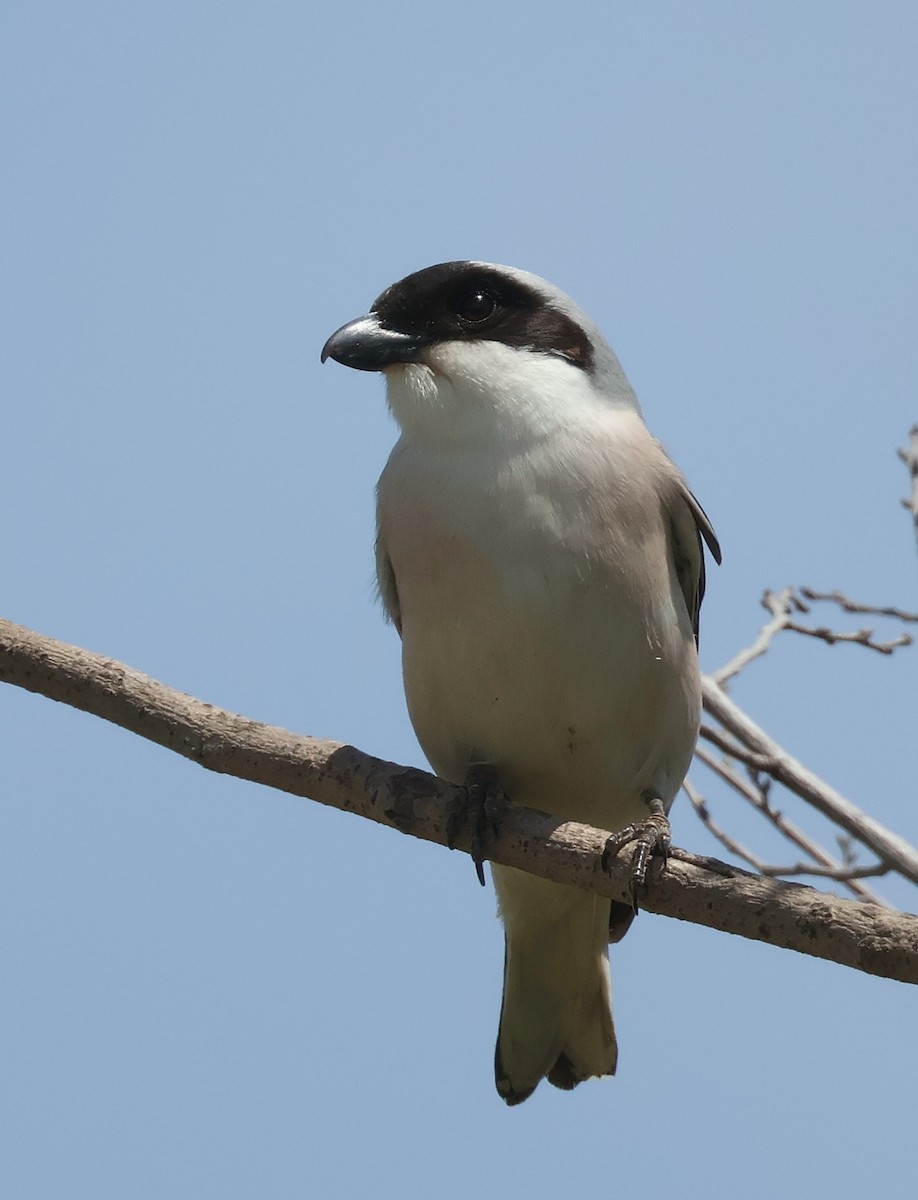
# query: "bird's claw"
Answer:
x=651 y=837
x=478 y=807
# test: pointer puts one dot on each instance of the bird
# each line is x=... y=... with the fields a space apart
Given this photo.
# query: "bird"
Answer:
x=541 y=557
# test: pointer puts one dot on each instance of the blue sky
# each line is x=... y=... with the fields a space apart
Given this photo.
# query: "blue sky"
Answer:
x=209 y=989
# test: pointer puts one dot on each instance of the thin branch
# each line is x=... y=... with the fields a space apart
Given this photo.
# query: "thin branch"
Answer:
x=762 y=644
x=729 y=843
x=734 y=749
x=704 y=891
x=854 y=606
x=848 y=875
x=785 y=604
x=910 y=457
x=860 y=637
x=840 y=874
x=764 y=753
x=757 y=797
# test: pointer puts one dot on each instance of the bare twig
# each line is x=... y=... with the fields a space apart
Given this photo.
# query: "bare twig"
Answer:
x=785 y=604
x=757 y=796
x=840 y=874
x=910 y=457
x=729 y=843
x=704 y=891
x=860 y=637
x=832 y=870
x=763 y=753
x=733 y=749
x=855 y=606
x=780 y=610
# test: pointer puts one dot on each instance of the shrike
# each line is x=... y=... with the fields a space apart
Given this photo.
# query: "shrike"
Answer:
x=541 y=557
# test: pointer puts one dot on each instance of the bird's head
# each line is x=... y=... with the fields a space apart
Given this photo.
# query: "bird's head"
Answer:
x=472 y=347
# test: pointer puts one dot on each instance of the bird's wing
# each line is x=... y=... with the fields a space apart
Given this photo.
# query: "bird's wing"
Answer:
x=689 y=523
x=388 y=590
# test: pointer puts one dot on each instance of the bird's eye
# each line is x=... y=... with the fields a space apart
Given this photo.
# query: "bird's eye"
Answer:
x=474 y=306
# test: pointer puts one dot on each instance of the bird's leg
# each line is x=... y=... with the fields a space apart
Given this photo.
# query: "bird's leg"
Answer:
x=650 y=836
x=478 y=806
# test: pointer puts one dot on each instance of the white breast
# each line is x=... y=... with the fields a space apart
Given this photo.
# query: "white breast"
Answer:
x=543 y=627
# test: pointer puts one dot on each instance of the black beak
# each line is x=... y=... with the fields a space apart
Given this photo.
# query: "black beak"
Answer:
x=369 y=346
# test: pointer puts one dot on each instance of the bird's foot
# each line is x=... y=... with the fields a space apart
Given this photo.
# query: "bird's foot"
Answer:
x=652 y=836
x=478 y=807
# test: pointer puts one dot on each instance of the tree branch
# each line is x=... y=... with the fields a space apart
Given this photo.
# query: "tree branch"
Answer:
x=702 y=890
x=755 y=794
x=763 y=753
x=782 y=606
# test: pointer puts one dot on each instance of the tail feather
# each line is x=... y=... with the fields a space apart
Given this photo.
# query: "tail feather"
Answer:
x=556 y=1014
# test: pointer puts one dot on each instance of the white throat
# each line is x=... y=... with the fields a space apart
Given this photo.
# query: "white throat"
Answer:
x=471 y=391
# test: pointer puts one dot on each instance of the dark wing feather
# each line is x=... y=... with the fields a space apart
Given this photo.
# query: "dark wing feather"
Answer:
x=689 y=524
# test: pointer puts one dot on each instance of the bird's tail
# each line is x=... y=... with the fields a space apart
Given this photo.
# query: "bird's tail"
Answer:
x=556 y=1014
